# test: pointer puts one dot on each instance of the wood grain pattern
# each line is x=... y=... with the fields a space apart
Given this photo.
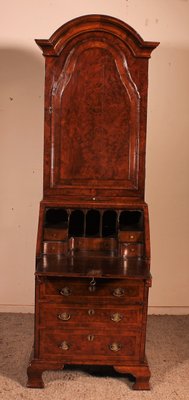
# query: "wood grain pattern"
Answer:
x=95 y=111
x=80 y=346
x=85 y=317
x=80 y=290
x=96 y=94
x=99 y=265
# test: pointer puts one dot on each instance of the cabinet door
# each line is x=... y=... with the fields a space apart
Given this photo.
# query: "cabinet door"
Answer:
x=95 y=120
x=94 y=117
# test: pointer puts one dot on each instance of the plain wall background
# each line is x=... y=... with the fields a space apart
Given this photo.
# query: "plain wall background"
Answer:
x=21 y=139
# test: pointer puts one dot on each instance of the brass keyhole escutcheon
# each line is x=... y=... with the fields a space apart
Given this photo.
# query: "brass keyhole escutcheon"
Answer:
x=90 y=338
x=92 y=288
x=91 y=312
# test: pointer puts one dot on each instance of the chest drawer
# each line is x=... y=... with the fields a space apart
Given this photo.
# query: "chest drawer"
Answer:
x=66 y=344
x=67 y=317
x=112 y=291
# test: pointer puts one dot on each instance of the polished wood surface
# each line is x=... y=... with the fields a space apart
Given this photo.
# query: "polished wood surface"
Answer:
x=92 y=272
x=69 y=290
x=97 y=347
x=104 y=317
x=95 y=109
x=102 y=265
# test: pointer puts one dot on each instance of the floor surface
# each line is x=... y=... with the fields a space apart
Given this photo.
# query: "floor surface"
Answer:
x=167 y=351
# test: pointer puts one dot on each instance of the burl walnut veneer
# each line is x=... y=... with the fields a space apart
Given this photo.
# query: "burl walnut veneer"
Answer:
x=93 y=249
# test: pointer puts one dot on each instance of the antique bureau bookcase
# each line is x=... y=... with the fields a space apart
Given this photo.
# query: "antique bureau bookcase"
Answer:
x=93 y=249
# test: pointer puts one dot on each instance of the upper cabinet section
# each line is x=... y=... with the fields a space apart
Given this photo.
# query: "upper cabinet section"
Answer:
x=95 y=110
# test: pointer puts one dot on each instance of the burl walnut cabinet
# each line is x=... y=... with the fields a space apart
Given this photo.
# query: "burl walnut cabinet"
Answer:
x=93 y=249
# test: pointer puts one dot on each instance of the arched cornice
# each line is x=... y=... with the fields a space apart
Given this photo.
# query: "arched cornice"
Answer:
x=96 y=23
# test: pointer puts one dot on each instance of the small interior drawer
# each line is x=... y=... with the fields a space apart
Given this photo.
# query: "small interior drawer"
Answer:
x=52 y=247
x=95 y=244
x=55 y=234
x=130 y=236
x=131 y=249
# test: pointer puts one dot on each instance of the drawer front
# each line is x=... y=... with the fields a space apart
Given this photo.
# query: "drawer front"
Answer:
x=111 y=291
x=55 y=234
x=57 y=315
x=131 y=250
x=96 y=244
x=130 y=236
x=63 y=345
x=55 y=247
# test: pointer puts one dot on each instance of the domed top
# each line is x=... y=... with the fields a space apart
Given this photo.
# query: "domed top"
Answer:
x=96 y=23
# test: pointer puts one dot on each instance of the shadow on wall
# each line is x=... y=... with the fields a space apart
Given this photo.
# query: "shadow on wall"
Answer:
x=21 y=124
x=21 y=156
x=21 y=108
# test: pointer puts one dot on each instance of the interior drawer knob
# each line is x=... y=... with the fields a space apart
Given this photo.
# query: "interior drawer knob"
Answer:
x=119 y=292
x=65 y=291
x=116 y=317
x=64 y=316
x=64 y=346
x=115 y=347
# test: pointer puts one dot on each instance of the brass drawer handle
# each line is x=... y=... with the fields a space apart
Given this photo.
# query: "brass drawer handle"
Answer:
x=91 y=312
x=90 y=338
x=115 y=347
x=118 y=292
x=64 y=316
x=65 y=291
x=64 y=346
x=116 y=317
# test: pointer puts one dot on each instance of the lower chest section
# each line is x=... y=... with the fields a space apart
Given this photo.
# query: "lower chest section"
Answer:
x=90 y=319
